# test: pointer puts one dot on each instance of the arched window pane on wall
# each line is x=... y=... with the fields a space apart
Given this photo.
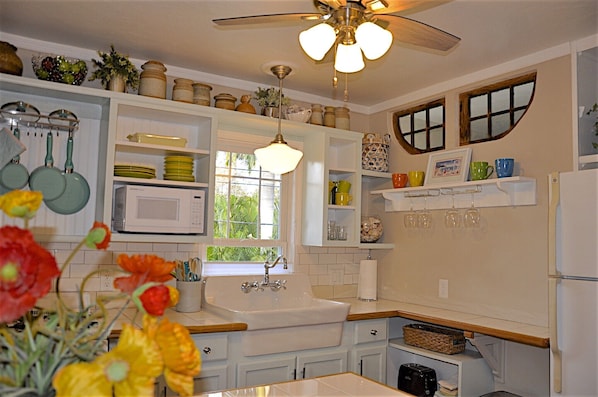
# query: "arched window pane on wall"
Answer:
x=491 y=112
x=421 y=128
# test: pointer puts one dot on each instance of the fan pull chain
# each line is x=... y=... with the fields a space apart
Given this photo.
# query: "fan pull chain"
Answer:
x=346 y=93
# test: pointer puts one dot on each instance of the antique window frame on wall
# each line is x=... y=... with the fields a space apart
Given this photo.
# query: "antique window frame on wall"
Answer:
x=451 y=166
x=514 y=111
x=411 y=112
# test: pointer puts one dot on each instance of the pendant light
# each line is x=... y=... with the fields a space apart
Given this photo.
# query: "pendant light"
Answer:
x=278 y=157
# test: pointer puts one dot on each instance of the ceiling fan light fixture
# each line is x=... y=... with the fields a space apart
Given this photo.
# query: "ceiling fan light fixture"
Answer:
x=348 y=58
x=373 y=40
x=317 y=40
x=278 y=157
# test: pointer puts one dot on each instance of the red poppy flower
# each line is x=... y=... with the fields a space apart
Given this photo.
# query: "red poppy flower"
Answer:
x=98 y=236
x=154 y=298
x=26 y=272
x=143 y=269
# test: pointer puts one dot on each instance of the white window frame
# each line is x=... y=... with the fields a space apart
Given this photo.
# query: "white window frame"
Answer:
x=290 y=204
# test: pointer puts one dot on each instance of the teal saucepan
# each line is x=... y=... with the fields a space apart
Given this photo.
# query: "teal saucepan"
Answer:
x=14 y=175
x=47 y=178
x=76 y=192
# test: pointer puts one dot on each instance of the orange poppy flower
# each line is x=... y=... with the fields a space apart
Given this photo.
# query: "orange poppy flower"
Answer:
x=142 y=269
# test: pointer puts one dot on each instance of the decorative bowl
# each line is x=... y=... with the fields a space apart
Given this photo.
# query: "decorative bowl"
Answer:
x=301 y=115
x=59 y=69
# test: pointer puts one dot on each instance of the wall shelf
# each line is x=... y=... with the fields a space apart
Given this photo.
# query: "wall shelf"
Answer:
x=502 y=192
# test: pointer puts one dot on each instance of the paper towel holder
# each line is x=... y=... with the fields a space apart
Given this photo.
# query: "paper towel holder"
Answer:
x=368 y=279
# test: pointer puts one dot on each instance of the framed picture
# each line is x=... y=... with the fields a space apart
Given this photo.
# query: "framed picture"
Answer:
x=448 y=166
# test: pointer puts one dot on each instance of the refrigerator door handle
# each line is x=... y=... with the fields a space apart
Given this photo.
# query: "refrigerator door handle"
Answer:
x=553 y=198
x=557 y=365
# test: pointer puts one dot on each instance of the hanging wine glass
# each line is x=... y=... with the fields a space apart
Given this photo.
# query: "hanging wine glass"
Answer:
x=472 y=215
x=410 y=218
x=424 y=218
x=452 y=217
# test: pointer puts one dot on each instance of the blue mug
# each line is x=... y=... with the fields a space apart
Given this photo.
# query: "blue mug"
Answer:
x=504 y=167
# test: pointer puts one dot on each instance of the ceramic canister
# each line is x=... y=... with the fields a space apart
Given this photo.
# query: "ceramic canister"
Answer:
x=225 y=101
x=201 y=94
x=341 y=115
x=329 y=117
x=316 y=115
x=153 y=80
x=182 y=90
x=9 y=60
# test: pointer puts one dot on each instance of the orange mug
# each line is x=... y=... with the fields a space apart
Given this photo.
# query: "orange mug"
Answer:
x=399 y=180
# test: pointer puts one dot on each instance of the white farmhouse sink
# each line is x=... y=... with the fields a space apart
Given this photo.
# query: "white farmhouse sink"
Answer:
x=277 y=321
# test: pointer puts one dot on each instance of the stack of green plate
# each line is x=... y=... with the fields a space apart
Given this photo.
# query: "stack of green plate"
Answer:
x=178 y=168
x=134 y=171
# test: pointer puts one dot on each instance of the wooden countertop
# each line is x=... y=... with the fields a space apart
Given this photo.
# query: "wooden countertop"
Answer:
x=206 y=322
x=470 y=323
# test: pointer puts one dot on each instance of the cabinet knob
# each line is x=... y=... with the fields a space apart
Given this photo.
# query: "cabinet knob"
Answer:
x=207 y=350
x=374 y=332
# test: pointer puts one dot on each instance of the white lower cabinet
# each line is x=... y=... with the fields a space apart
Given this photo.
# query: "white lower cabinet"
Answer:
x=284 y=367
x=214 y=366
x=368 y=354
x=474 y=376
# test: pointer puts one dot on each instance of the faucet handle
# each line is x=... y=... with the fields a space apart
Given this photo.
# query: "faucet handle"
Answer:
x=246 y=287
x=256 y=286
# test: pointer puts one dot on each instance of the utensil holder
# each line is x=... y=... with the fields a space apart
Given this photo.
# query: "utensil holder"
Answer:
x=189 y=296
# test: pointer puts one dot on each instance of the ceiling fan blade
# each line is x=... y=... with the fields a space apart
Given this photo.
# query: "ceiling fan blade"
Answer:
x=418 y=33
x=271 y=18
x=409 y=5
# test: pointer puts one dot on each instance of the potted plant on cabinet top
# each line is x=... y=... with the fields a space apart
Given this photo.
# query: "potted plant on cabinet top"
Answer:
x=267 y=98
x=115 y=71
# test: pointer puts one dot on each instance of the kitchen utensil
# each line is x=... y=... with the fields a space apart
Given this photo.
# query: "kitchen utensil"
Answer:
x=14 y=175
x=47 y=178
x=76 y=193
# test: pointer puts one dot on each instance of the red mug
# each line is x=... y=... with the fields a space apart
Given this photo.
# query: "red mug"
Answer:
x=399 y=180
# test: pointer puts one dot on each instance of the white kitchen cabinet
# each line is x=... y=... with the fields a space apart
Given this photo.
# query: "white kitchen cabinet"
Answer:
x=214 y=366
x=283 y=367
x=584 y=61
x=158 y=117
x=332 y=156
x=474 y=376
x=368 y=354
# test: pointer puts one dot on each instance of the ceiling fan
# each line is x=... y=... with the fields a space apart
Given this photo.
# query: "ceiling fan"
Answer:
x=342 y=22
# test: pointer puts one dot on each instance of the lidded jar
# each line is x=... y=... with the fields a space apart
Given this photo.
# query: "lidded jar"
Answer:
x=341 y=115
x=201 y=94
x=225 y=101
x=182 y=90
x=9 y=60
x=316 y=115
x=153 y=80
x=329 y=117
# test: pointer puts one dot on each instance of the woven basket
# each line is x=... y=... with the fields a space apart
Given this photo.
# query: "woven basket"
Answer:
x=374 y=152
x=437 y=339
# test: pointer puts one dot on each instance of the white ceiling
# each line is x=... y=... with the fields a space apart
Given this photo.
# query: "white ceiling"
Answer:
x=181 y=33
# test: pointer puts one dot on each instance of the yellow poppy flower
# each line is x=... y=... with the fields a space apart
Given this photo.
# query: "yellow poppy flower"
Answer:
x=21 y=203
x=127 y=370
x=182 y=360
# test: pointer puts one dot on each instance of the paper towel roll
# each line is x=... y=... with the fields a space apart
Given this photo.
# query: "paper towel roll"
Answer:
x=368 y=280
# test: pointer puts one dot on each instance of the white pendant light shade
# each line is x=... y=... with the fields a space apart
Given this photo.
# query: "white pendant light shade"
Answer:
x=278 y=158
x=348 y=58
x=373 y=40
x=317 y=40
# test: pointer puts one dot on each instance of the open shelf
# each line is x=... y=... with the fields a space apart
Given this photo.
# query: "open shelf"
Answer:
x=500 y=192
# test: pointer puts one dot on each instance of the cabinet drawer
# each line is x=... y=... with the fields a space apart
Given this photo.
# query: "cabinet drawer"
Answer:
x=370 y=331
x=212 y=347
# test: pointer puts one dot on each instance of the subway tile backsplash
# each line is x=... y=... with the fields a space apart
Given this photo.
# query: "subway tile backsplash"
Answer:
x=333 y=272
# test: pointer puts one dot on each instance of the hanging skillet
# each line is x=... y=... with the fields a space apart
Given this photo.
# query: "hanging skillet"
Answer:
x=14 y=175
x=76 y=193
x=47 y=178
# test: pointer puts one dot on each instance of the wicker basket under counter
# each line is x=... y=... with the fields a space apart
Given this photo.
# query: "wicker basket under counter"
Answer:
x=437 y=339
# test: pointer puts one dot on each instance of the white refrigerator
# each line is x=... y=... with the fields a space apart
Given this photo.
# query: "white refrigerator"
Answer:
x=573 y=283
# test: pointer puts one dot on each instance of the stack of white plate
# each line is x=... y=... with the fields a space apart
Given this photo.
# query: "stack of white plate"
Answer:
x=134 y=171
x=178 y=168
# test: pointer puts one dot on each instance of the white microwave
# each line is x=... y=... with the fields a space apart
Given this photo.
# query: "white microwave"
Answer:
x=153 y=209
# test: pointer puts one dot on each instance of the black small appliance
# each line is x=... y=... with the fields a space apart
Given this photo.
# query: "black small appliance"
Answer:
x=417 y=379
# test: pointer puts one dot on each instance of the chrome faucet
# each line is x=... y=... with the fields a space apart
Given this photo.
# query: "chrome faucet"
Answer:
x=268 y=266
x=275 y=286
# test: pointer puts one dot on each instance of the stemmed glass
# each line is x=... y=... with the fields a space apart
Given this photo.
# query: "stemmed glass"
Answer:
x=424 y=219
x=452 y=217
x=472 y=215
x=410 y=218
